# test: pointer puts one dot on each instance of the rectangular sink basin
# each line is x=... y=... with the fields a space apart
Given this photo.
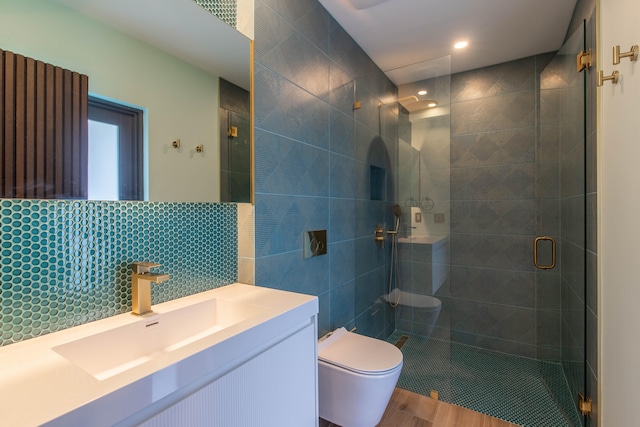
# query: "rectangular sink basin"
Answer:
x=111 y=352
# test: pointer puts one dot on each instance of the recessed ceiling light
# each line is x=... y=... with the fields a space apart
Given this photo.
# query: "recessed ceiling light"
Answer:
x=461 y=45
x=422 y=92
x=432 y=104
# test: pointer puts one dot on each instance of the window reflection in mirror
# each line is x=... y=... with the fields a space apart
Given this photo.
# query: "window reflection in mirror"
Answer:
x=116 y=150
x=103 y=161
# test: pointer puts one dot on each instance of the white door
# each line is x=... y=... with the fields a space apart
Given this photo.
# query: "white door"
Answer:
x=619 y=217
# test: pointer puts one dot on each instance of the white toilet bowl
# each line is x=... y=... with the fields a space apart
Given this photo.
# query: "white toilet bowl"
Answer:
x=356 y=377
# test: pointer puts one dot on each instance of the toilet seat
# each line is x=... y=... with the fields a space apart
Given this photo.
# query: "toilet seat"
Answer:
x=358 y=353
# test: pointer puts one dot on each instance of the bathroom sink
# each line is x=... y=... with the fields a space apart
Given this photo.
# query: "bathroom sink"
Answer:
x=108 y=353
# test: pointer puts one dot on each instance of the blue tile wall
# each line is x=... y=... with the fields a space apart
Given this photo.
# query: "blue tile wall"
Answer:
x=312 y=159
x=308 y=74
x=65 y=263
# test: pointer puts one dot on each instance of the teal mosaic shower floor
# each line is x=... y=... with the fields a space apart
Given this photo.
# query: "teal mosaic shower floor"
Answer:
x=497 y=384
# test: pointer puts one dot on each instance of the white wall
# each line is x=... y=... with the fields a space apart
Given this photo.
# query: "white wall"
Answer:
x=619 y=218
x=245 y=18
x=181 y=100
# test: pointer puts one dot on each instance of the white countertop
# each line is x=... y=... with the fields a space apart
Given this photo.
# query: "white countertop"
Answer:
x=37 y=385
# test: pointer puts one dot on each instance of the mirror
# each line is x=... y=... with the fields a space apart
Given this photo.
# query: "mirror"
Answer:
x=143 y=54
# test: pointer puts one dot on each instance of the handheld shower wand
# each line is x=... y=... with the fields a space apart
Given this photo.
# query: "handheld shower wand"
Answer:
x=397 y=211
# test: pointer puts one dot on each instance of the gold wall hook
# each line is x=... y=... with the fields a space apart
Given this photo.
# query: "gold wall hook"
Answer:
x=176 y=143
x=613 y=77
x=632 y=54
x=199 y=148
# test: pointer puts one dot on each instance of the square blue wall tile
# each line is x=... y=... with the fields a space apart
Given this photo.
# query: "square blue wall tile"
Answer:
x=342 y=304
x=286 y=109
x=302 y=63
x=292 y=272
x=290 y=167
x=342 y=219
x=342 y=259
x=281 y=219
x=342 y=133
x=343 y=179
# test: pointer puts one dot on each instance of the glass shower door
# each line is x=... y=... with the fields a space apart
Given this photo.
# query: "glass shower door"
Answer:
x=562 y=210
x=424 y=195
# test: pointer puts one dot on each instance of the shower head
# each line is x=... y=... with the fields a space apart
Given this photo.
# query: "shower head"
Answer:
x=412 y=104
x=393 y=101
x=397 y=212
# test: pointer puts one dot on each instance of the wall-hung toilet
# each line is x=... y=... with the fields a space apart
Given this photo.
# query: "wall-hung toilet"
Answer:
x=356 y=377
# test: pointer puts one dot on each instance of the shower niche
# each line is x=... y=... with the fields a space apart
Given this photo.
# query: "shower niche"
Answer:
x=377 y=183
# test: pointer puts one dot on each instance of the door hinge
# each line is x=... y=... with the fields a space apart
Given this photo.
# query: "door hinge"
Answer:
x=586 y=406
x=583 y=60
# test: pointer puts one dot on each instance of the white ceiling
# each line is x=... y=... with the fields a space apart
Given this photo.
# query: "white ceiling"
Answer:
x=207 y=42
x=397 y=33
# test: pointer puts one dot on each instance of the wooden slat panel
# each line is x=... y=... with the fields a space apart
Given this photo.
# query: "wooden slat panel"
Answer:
x=58 y=119
x=74 y=137
x=44 y=131
x=50 y=131
x=30 y=182
x=9 y=120
x=40 y=167
x=20 y=137
x=84 y=136
x=67 y=142
x=2 y=136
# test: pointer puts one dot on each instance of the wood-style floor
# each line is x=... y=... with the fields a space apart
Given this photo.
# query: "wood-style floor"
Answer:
x=408 y=409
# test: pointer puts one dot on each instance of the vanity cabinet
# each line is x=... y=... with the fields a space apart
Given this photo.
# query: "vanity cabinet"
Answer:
x=275 y=388
x=234 y=356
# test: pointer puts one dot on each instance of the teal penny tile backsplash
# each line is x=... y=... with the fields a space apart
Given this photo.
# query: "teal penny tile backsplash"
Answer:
x=65 y=263
x=226 y=10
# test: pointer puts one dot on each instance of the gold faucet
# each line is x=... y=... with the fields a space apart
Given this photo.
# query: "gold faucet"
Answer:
x=141 y=286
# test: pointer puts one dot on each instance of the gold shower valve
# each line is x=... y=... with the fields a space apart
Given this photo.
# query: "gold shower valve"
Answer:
x=378 y=235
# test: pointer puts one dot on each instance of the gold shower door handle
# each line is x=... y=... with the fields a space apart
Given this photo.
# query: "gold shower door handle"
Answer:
x=553 y=253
